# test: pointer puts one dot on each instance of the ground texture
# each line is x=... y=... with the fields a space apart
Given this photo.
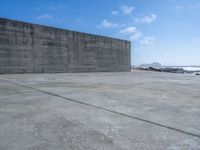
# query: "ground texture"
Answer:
x=100 y=111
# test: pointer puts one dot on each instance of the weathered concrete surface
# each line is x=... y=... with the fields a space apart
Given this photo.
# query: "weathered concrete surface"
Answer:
x=130 y=110
x=30 y=48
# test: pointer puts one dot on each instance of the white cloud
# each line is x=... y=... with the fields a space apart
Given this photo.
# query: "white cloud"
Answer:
x=127 y=9
x=148 y=40
x=147 y=19
x=46 y=17
x=114 y=12
x=107 y=24
x=129 y=30
x=136 y=36
x=132 y=32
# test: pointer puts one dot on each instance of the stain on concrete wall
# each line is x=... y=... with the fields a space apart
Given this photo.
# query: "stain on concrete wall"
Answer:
x=30 y=48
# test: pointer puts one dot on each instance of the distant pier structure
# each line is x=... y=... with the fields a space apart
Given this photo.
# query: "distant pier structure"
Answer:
x=31 y=48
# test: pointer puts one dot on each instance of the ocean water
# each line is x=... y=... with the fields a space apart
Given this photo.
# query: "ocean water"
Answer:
x=191 y=68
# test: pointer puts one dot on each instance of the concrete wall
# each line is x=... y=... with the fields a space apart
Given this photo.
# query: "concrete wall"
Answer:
x=30 y=48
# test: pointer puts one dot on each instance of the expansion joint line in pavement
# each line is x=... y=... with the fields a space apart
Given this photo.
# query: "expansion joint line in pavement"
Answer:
x=107 y=110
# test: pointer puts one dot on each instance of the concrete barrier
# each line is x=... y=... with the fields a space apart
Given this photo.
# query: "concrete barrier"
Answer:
x=31 y=48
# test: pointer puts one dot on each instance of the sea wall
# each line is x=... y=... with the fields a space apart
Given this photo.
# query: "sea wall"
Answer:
x=31 y=48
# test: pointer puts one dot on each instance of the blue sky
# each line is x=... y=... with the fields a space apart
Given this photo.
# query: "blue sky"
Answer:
x=165 y=31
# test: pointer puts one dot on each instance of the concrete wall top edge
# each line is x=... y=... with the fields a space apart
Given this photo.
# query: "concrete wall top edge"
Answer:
x=61 y=29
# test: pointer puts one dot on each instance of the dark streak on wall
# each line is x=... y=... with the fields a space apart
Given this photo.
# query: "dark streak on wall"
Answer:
x=31 y=48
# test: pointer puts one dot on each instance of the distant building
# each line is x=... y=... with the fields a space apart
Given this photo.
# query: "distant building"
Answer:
x=31 y=48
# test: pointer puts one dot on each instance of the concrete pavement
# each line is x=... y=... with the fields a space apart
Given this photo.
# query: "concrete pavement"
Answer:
x=100 y=111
